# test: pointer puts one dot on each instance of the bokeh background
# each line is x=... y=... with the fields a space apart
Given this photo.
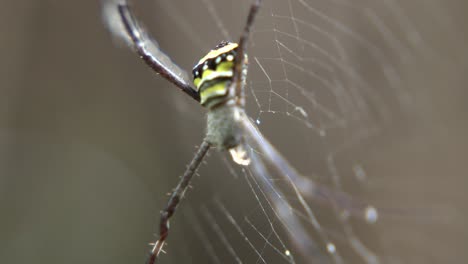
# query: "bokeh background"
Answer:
x=91 y=140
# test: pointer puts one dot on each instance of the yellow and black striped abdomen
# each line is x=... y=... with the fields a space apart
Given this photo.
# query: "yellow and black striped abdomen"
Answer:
x=213 y=73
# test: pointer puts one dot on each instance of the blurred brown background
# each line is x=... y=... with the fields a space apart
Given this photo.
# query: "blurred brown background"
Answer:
x=91 y=139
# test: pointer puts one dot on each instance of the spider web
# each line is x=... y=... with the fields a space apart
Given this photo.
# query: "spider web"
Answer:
x=327 y=81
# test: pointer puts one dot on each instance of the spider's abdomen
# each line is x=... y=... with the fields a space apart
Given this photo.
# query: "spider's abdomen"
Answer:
x=213 y=74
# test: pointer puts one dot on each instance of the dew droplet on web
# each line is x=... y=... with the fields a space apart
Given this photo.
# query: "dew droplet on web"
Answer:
x=359 y=172
x=331 y=248
x=371 y=214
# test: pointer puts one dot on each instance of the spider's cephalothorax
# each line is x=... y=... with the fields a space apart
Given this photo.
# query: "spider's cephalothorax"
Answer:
x=213 y=74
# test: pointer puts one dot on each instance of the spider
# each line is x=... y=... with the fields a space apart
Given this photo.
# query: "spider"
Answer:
x=219 y=80
x=219 y=86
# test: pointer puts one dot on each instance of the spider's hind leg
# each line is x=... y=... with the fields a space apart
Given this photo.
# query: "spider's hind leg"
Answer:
x=175 y=199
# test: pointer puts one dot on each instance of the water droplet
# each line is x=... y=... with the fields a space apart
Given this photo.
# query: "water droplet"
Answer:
x=257 y=121
x=371 y=214
x=359 y=172
x=331 y=248
x=287 y=253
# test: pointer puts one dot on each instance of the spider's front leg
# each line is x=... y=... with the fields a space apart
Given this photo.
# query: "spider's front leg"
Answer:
x=175 y=198
x=240 y=68
x=123 y=25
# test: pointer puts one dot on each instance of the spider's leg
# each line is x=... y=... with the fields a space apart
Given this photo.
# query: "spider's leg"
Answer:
x=175 y=198
x=238 y=87
x=306 y=186
x=303 y=243
x=148 y=50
